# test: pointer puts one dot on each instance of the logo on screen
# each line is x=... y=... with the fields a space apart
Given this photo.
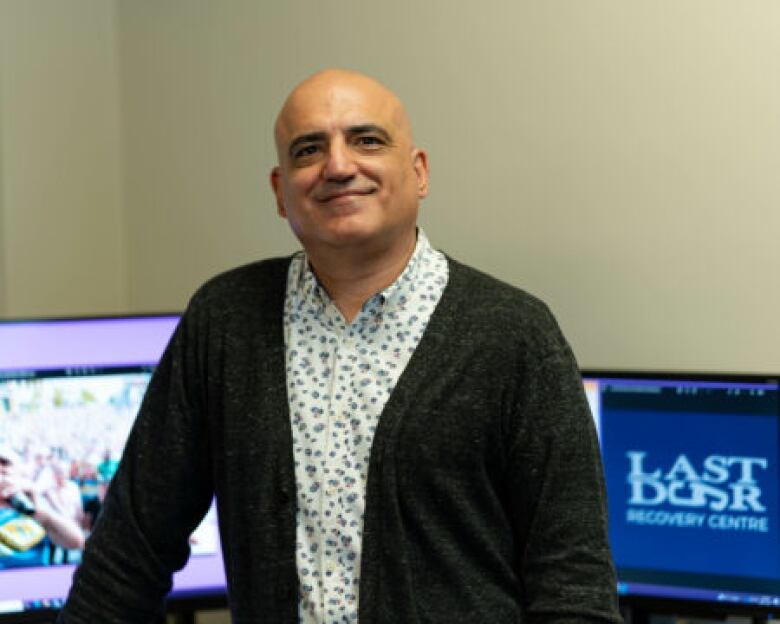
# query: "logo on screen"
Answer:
x=719 y=491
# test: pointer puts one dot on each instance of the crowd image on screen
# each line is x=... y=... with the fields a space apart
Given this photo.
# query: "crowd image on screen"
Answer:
x=60 y=443
x=61 y=439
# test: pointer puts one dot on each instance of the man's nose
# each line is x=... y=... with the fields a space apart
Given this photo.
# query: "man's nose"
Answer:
x=340 y=164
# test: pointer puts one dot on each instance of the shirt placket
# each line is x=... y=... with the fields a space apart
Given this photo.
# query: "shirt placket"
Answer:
x=335 y=589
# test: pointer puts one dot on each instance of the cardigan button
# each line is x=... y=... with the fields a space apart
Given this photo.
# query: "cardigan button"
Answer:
x=282 y=496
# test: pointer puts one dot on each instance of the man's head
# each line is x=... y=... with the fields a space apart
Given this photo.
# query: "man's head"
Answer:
x=349 y=175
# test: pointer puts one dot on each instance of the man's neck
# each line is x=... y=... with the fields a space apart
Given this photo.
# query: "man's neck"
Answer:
x=352 y=277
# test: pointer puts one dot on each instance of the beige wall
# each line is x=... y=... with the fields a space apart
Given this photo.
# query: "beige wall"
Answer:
x=197 y=110
x=3 y=260
x=618 y=159
x=61 y=199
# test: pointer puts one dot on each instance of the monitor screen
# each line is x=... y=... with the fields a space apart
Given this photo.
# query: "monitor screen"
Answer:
x=693 y=484
x=69 y=392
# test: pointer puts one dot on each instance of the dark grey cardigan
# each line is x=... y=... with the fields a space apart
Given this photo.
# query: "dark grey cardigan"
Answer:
x=485 y=498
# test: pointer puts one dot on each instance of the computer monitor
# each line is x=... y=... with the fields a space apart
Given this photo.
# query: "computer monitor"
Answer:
x=69 y=392
x=693 y=485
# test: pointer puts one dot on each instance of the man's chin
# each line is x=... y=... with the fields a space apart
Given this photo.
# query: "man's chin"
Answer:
x=354 y=234
x=353 y=237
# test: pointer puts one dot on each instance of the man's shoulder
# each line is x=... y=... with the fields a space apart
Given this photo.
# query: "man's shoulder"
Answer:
x=254 y=284
x=489 y=295
x=498 y=315
x=269 y=273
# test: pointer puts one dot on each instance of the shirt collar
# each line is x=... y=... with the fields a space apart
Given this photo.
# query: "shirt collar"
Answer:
x=310 y=295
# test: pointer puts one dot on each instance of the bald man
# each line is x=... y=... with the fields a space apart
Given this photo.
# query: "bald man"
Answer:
x=391 y=436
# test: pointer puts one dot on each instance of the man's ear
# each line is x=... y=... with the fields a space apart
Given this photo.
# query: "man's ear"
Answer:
x=420 y=166
x=276 y=185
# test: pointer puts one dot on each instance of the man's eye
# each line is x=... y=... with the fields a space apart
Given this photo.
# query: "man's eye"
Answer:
x=369 y=141
x=306 y=150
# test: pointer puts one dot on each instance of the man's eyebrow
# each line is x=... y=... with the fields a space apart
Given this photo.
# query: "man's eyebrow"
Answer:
x=311 y=137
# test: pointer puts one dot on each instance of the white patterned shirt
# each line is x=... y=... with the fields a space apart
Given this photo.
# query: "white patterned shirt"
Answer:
x=339 y=377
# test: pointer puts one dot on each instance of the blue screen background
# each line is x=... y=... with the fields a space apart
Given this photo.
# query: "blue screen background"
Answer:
x=664 y=435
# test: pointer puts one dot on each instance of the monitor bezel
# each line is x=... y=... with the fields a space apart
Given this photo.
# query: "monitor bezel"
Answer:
x=90 y=317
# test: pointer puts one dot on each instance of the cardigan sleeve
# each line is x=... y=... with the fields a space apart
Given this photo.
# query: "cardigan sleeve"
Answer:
x=558 y=500
x=159 y=494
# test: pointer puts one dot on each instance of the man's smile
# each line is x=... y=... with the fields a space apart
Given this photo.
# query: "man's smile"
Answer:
x=343 y=194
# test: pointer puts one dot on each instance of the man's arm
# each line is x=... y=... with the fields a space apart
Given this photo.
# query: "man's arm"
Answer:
x=159 y=494
x=559 y=501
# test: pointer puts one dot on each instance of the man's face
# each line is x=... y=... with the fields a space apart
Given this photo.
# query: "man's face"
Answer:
x=348 y=174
